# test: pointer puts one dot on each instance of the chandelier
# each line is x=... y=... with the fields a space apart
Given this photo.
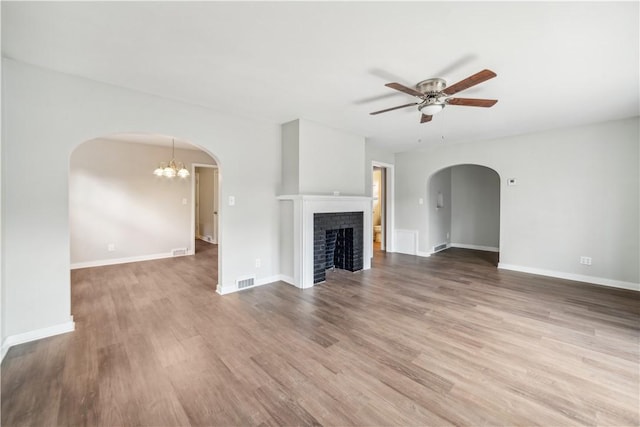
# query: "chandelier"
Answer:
x=172 y=168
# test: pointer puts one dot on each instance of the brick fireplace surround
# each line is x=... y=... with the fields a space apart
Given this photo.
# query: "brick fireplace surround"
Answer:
x=337 y=242
x=343 y=209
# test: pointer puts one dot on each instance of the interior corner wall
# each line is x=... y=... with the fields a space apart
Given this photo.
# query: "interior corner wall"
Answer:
x=475 y=206
x=439 y=216
x=330 y=160
x=577 y=194
x=115 y=199
x=46 y=115
x=290 y=158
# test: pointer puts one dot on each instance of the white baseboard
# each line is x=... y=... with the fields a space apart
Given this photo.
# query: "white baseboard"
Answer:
x=287 y=279
x=102 y=262
x=232 y=287
x=423 y=254
x=38 y=334
x=571 y=276
x=475 y=247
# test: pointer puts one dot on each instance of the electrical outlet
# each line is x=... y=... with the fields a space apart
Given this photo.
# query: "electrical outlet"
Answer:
x=258 y=263
x=585 y=260
x=232 y=201
x=111 y=247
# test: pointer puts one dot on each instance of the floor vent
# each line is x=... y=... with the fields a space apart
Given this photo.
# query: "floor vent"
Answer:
x=246 y=282
x=439 y=247
x=179 y=252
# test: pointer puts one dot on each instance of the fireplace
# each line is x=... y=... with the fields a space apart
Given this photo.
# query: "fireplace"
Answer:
x=350 y=216
x=337 y=242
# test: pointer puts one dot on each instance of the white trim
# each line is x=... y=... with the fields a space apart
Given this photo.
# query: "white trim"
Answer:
x=571 y=276
x=101 y=262
x=389 y=242
x=202 y=238
x=474 y=247
x=447 y=246
x=230 y=288
x=37 y=334
x=287 y=279
x=424 y=254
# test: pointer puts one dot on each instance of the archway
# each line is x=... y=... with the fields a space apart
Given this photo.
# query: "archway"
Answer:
x=464 y=208
x=120 y=212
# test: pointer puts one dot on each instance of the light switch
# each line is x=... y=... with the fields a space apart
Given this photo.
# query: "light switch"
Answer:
x=421 y=201
x=184 y=201
x=232 y=200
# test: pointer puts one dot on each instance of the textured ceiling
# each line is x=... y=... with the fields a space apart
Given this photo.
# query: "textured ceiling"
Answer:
x=558 y=64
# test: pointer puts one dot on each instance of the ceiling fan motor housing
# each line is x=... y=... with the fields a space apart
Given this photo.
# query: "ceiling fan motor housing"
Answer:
x=431 y=86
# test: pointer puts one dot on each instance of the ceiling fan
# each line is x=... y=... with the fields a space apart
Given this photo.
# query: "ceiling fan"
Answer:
x=434 y=95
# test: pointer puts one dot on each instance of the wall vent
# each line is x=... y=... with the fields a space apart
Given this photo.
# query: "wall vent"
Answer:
x=440 y=247
x=179 y=252
x=245 y=282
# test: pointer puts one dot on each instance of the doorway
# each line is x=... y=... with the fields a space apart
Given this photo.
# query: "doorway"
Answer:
x=464 y=209
x=206 y=201
x=382 y=206
x=379 y=207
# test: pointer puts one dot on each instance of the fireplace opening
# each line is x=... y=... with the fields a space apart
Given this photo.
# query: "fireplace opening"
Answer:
x=338 y=243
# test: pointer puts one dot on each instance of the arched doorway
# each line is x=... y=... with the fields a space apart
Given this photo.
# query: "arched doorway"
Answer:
x=121 y=212
x=464 y=208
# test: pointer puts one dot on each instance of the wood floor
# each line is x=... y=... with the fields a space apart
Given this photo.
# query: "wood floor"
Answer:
x=446 y=340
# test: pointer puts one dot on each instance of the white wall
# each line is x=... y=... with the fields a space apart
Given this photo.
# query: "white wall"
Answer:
x=115 y=199
x=439 y=217
x=577 y=194
x=475 y=206
x=48 y=114
x=291 y=157
x=286 y=240
x=2 y=280
x=330 y=160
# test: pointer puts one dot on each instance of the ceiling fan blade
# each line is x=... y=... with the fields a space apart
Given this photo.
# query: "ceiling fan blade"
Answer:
x=472 y=102
x=402 y=88
x=425 y=118
x=477 y=78
x=393 y=108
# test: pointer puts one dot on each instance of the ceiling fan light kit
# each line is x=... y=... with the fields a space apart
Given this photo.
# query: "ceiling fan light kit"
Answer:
x=435 y=95
x=431 y=109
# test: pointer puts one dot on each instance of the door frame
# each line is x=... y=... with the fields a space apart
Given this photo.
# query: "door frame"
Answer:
x=192 y=231
x=388 y=222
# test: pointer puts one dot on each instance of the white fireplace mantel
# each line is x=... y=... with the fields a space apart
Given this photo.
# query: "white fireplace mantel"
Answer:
x=304 y=206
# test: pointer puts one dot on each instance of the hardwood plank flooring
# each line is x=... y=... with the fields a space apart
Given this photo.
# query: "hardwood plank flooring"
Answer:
x=445 y=340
